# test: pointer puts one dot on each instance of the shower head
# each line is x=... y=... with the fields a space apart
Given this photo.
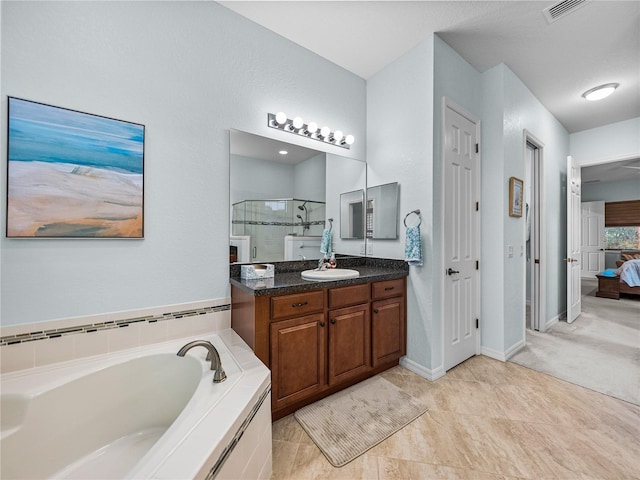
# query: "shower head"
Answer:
x=300 y=217
x=302 y=207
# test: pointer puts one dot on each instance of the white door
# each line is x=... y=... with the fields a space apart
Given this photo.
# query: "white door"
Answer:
x=592 y=248
x=574 y=216
x=461 y=237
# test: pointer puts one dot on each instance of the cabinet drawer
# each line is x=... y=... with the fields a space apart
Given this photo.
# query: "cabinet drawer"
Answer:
x=387 y=288
x=351 y=295
x=297 y=304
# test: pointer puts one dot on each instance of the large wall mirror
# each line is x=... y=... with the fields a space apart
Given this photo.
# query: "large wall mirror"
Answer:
x=281 y=202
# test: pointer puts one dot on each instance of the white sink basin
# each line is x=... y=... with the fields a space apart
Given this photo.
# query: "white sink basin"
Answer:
x=330 y=274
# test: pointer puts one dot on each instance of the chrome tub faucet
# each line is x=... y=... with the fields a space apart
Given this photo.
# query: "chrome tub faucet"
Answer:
x=212 y=355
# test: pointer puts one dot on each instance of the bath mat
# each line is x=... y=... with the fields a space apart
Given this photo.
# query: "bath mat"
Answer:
x=350 y=422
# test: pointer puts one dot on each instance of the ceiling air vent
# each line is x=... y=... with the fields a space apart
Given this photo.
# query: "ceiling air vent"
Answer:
x=560 y=9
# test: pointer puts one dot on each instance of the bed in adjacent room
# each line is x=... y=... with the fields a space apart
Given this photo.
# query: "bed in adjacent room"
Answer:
x=624 y=279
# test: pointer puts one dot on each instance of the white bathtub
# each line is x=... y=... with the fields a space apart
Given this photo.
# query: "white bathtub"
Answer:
x=143 y=413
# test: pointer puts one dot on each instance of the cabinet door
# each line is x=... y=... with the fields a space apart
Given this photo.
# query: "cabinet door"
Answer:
x=298 y=358
x=349 y=342
x=388 y=327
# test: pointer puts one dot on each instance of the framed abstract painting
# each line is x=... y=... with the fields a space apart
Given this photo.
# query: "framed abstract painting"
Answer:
x=72 y=174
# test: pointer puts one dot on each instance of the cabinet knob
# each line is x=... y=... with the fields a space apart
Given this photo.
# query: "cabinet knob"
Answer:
x=375 y=310
x=333 y=321
x=322 y=324
x=386 y=289
x=302 y=304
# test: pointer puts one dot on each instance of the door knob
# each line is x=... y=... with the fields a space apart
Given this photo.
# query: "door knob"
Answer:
x=570 y=260
x=450 y=271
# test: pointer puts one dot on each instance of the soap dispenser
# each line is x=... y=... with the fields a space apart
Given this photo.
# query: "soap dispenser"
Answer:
x=332 y=261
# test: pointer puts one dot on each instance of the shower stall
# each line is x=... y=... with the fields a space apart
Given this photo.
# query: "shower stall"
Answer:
x=266 y=223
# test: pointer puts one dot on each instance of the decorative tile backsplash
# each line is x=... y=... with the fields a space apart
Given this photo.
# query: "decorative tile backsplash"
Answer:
x=106 y=325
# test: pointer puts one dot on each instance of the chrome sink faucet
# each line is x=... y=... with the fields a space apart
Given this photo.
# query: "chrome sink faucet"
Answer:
x=213 y=356
x=322 y=265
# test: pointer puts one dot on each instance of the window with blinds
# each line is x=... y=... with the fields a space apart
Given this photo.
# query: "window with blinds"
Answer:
x=622 y=214
x=622 y=225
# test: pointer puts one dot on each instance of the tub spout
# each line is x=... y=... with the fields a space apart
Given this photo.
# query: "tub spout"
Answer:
x=213 y=356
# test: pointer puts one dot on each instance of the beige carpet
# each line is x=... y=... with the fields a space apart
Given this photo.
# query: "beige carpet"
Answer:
x=348 y=423
x=600 y=350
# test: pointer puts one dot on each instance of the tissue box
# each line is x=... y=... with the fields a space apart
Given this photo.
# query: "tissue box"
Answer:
x=260 y=270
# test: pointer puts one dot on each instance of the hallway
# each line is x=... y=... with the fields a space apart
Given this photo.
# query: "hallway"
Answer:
x=600 y=350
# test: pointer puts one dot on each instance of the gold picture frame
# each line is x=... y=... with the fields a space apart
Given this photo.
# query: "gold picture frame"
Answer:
x=516 y=188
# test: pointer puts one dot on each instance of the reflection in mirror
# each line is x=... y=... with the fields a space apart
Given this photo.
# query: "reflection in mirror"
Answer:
x=352 y=215
x=280 y=202
x=382 y=211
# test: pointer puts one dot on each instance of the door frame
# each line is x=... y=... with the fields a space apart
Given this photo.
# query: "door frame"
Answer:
x=538 y=196
x=448 y=103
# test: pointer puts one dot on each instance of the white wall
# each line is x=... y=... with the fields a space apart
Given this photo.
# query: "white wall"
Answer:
x=458 y=81
x=616 y=141
x=611 y=191
x=188 y=71
x=310 y=179
x=400 y=149
x=509 y=108
x=253 y=179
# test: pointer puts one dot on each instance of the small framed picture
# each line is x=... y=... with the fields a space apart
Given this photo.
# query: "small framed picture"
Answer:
x=515 y=197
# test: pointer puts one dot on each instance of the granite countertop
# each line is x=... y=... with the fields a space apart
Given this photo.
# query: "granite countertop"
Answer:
x=287 y=278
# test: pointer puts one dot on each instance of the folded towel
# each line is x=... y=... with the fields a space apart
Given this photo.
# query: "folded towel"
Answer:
x=413 y=247
x=325 y=244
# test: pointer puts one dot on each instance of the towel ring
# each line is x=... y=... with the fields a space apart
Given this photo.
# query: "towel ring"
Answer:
x=417 y=212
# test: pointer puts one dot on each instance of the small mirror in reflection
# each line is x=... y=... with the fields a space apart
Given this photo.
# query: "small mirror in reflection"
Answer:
x=352 y=215
x=382 y=211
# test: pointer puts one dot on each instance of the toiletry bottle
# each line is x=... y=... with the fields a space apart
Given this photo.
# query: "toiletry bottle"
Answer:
x=332 y=260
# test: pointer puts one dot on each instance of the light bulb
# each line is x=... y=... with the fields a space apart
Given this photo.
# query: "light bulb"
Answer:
x=297 y=123
x=325 y=131
x=312 y=128
x=337 y=136
x=349 y=139
x=281 y=118
x=283 y=152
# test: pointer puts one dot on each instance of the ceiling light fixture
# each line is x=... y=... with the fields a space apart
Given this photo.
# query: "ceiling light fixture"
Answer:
x=310 y=130
x=600 y=92
x=283 y=152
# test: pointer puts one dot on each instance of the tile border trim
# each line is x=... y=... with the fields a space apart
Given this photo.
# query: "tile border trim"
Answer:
x=107 y=325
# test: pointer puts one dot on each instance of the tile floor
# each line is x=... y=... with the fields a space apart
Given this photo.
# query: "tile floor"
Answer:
x=486 y=420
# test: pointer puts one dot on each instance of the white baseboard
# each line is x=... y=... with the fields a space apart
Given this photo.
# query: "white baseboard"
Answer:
x=429 y=374
x=511 y=351
x=507 y=354
x=490 y=352
x=555 y=319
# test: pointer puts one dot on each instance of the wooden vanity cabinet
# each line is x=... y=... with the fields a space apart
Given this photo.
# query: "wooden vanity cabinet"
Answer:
x=298 y=358
x=320 y=341
x=349 y=333
x=388 y=321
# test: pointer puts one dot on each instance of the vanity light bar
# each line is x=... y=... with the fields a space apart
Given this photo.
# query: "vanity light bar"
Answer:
x=297 y=126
